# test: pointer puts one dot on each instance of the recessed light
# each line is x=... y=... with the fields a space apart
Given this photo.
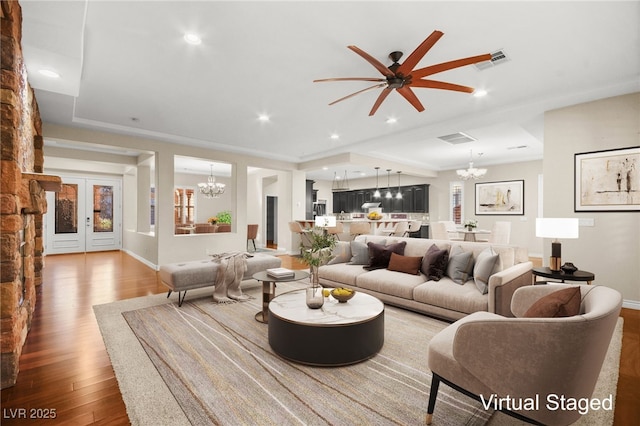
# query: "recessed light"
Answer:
x=479 y=93
x=335 y=136
x=49 y=73
x=192 y=38
x=391 y=120
x=263 y=117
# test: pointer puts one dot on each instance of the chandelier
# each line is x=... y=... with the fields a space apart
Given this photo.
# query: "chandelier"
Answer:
x=471 y=172
x=211 y=189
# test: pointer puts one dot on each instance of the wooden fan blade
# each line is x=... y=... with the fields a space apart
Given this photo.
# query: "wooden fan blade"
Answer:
x=408 y=94
x=377 y=86
x=419 y=53
x=379 y=101
x=445 y=66
x=432 y=84
x=373 y=61
x=349 y=79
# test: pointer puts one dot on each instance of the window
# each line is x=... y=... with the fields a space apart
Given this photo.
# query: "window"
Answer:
x=457 y=202
x=184 y=206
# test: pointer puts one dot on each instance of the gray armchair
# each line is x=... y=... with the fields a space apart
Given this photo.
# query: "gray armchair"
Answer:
x=487 y=354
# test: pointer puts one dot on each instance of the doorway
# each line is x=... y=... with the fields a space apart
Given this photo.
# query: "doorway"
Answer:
x=86 y=215
x=272 y=222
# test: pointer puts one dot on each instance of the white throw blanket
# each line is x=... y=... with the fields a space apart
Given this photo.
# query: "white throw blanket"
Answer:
x=231 y=269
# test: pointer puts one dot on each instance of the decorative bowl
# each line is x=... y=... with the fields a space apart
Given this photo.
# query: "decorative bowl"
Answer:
x=342 y=294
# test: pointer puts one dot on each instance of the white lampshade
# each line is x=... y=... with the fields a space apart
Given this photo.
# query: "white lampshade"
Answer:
x=325 y=221
x=557 y=227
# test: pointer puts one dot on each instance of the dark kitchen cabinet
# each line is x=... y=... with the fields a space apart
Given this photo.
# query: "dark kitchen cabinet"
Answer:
x=415 y=199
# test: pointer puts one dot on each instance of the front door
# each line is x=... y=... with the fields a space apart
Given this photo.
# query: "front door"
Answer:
x=84 y=216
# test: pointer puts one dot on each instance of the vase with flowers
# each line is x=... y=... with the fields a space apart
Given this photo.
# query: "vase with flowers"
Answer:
x=471 y=225
x=317 y=254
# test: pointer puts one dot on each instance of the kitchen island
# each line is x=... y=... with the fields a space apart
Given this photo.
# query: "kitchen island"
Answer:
x=377 y=227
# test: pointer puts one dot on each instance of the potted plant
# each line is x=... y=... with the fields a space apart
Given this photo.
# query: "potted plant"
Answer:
x=224 y=217
x=213 y=220
x=471 y=224
x=318 y=254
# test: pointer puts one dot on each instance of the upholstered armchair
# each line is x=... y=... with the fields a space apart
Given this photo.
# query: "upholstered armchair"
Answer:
x=486 y=354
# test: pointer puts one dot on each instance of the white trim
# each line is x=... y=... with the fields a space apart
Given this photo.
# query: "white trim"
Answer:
x=142 y=259
x=631 y=304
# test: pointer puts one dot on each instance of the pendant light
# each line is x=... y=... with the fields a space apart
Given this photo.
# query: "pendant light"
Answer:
x=377 y=193
x=211 y=189
x=388 y=194
x=471 y=172
x=399 y=194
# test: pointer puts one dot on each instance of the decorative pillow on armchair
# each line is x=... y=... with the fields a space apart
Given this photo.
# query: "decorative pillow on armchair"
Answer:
x=460 y=265
x=380 y=255
x=434 y=263
x=561 y=303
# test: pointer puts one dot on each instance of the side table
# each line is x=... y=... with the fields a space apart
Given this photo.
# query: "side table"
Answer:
x=268 y=290
x=563 y=276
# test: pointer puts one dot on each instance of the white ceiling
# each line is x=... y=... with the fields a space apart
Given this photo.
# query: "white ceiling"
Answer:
x=125 y=68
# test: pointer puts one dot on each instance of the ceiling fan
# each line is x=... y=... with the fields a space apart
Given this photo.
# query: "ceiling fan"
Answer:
x=402 y=77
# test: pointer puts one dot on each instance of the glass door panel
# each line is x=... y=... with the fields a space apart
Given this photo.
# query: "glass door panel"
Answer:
x=102 y=208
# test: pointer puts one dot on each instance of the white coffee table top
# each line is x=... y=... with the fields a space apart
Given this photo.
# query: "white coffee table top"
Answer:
x=292 y=306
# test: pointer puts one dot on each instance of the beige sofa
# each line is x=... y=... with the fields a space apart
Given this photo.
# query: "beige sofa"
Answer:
x=443 y=298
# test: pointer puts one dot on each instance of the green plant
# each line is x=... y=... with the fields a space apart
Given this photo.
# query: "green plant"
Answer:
x=224 y=216
x=321 y=250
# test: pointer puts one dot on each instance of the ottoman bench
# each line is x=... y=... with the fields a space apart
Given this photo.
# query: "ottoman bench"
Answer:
x=185 y=276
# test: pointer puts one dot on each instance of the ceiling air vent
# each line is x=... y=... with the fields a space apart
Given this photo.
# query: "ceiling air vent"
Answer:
x=498 y=57
x=457 y=138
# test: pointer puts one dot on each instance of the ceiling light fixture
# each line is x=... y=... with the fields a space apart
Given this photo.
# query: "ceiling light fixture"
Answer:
x=399 y=193
x=211 y=189
x=263 y=118
x=49 y=73
x=192 y=38
x=335 y=136
x=377 y=193
x=388 y=194
x=340 y=184
x=479 y=93
x=391 y=120
x=471 y=172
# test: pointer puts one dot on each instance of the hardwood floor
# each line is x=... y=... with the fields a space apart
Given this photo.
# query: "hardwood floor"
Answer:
x=65 y=370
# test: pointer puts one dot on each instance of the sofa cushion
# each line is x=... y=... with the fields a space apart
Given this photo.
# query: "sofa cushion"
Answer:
x=561 y=303
x=434 y=263
x=380 y=255
x=359 y=253
x=406 y=264
x=485 y=266
x=448 y=295
x=390 y=282
x=460 y=266
x=343 y=273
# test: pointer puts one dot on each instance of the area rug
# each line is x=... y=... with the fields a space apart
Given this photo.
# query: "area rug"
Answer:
x=206 y=363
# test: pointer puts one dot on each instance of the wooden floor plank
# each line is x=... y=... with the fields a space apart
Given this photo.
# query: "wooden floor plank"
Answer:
x=65 y=366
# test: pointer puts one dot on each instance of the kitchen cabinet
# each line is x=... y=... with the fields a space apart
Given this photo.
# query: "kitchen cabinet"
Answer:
x=415 y=199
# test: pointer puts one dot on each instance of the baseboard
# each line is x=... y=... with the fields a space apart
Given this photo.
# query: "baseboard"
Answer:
x=142 y=259
x=631 y=304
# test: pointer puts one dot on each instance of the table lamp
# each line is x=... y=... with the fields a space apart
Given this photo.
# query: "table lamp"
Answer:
x=556 y=228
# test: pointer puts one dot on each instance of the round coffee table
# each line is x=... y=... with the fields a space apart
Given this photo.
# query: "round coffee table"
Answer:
x=336 y=334
x=269 y=290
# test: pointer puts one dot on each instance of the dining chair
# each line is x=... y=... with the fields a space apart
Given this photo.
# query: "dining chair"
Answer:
x=452 y=230
x=252 y=234
x=439 y=231
x=500 y=233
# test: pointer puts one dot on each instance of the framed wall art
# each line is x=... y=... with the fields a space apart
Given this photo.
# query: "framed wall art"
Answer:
x=607 y=181
x=500 y=198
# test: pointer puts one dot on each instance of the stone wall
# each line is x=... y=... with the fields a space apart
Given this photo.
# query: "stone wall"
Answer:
x=22 y=197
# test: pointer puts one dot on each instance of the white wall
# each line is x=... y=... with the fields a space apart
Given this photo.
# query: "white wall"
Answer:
x=611 y=248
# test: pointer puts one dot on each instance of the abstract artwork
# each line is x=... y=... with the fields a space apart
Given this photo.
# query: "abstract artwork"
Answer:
x=500 y=198
x=607 y=180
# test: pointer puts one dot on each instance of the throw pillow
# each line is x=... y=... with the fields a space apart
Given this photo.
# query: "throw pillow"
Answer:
x=380 y=255
x=341 y=253
x=561 y=303
x=460 y=265
x=406 y=264
x=434 y=263
x=359 y=253
x=486 y=265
